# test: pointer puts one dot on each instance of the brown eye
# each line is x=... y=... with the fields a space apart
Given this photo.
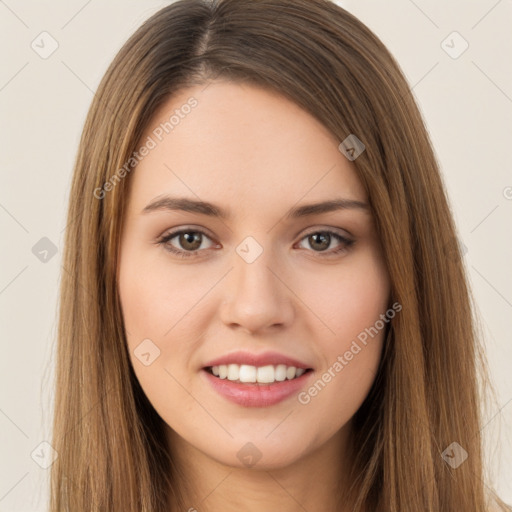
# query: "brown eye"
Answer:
x=320 y=241
x=188 y=242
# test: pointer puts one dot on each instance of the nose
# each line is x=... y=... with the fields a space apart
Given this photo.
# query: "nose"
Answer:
x=257 y=296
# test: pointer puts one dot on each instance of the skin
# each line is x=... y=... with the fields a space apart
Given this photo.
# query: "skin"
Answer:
x=257 y=154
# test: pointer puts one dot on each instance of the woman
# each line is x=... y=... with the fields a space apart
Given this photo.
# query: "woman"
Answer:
x=265 y=305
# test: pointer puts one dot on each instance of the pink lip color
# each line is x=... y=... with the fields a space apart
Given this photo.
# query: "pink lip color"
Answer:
x=262 y=359
x=256 y=395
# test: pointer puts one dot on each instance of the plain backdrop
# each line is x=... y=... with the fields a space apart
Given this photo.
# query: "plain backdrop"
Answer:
x=456 y=56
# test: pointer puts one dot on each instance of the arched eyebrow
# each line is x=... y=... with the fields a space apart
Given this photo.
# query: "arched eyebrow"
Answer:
x=168 y=203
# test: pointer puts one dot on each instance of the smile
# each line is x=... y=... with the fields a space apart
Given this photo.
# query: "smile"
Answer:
x=255 y=393
x=245 y=373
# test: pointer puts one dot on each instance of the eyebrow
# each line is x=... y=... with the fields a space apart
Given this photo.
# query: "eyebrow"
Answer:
x=167 y=203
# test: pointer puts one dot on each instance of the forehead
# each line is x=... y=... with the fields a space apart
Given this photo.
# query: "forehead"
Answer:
x=240 y=145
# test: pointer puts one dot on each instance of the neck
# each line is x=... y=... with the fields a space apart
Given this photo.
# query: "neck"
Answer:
x=314 y=481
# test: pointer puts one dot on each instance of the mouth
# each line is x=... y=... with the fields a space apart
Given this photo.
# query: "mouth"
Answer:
x=261 y=375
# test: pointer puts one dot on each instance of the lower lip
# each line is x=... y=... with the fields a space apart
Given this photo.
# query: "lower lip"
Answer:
x=257 y=395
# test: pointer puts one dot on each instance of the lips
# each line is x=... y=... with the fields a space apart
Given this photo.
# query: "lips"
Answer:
x=256 y=395
x=246 y=392
x=251 y=359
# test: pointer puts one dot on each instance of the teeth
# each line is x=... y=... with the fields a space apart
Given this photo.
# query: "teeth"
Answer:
x=280 y=372
x=265 y=374
x=262 y=374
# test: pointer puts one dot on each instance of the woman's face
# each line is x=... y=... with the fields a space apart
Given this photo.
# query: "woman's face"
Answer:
x=255 y=281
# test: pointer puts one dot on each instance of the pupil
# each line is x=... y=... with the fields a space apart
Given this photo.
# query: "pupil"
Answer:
x=189 y=238
x=325 y=238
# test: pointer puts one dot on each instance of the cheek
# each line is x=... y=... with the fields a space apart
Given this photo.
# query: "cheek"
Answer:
x=351 y=347
x=348 y=298
x=154 y=305
x=144 y=298
x=161 y=311
x=153 y=299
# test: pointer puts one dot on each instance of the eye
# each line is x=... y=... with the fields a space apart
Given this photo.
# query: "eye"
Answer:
x=190 y=242
x=320 y=241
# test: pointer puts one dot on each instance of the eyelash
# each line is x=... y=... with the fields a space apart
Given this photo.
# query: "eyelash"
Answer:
x=164 y=241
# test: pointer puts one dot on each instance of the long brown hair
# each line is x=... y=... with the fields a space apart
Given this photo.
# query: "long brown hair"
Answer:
x=426 y=396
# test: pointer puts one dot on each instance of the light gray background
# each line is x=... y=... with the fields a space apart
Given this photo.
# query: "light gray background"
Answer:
x=467 y=105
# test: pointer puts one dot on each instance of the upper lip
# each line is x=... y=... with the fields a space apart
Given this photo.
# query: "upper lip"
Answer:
x=261 y=359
